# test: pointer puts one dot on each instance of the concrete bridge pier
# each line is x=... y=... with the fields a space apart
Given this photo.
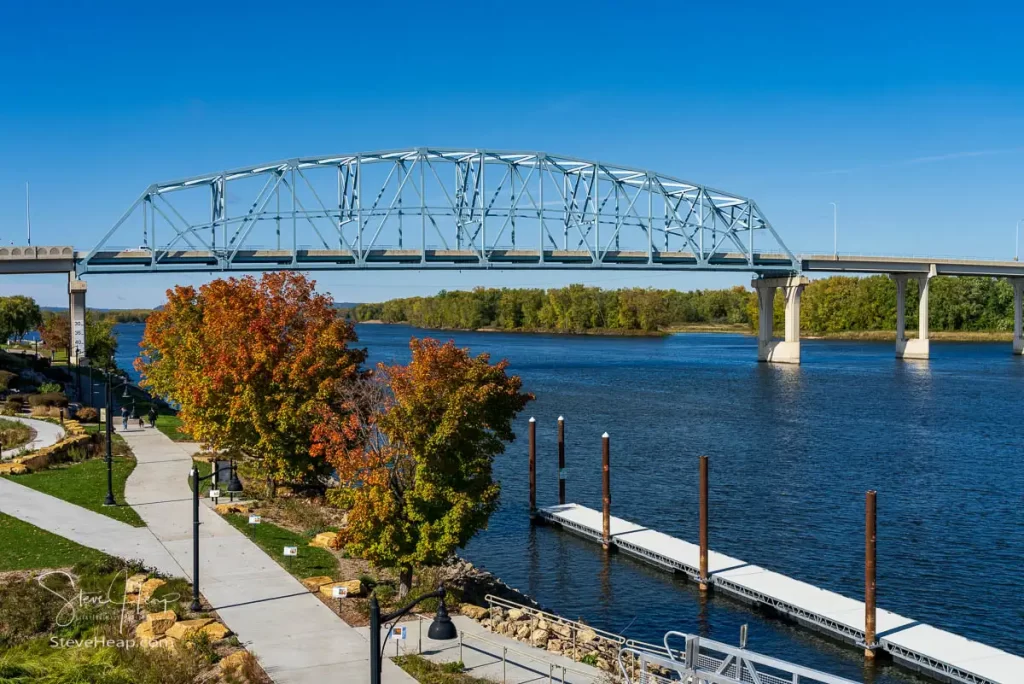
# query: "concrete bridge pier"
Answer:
x=76 y=305
x=770 y=349
x=1018 y=315
x=921 y=347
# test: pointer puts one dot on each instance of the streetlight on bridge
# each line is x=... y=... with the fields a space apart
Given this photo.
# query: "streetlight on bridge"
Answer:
x=835 y=230
x=1016 y=243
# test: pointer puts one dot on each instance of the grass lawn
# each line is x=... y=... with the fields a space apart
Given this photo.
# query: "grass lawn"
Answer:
x=85 y=484
x=169 y=425
x=26 y=547
x=311 y=560
x=428 y=672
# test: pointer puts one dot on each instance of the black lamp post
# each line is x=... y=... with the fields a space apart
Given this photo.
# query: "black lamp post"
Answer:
x=234 y=486
x=110 y=501
x=441 y=629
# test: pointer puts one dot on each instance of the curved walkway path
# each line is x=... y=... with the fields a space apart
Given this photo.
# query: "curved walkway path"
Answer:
x=47 y=434
x=295 y=636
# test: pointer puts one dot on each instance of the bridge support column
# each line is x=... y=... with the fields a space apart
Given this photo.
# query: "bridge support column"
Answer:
x=919 y=348
x=768 y=348
x=76 y=302
x=1018 y=315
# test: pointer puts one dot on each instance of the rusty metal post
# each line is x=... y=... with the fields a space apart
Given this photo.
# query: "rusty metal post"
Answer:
x=704 y=523
x=533 y=468
x=606 y=523
x=869 y=575
x=561 y=461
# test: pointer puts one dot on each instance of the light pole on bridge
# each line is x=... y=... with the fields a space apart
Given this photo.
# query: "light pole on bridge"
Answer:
x=835 y=230
x=1016 y=242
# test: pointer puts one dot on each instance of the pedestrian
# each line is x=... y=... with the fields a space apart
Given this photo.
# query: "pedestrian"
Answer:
x=124 y=417
x=152 y=416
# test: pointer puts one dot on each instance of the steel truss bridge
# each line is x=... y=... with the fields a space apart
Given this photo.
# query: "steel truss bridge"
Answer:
x=427 y=208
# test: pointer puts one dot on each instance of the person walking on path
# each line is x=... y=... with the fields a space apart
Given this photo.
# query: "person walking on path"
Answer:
x=152 y=416
x=124 y=417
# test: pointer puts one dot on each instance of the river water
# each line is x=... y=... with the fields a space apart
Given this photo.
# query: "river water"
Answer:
x=792 y=451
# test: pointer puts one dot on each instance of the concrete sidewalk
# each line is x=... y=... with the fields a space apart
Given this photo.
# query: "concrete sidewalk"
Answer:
x=295 y=636
x=84 y=526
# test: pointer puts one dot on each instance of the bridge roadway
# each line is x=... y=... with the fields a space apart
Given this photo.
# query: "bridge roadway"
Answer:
x=772 y=271
x=937 y=653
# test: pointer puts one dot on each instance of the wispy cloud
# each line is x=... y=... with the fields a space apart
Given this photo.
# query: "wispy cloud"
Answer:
x=915 y=161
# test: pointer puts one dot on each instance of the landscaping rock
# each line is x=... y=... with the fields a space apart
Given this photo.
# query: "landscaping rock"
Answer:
x=12 y=469
x=234 y=662
x=517 y=614
x=355 y=588
x=475 y=612
x=523 y=631
x=586 y=636
x=161 y=622
x=325 y=540
x=554 y=645
x=134 y=583
x=314 y=583
x=148 y=587
x=216 y=631
x=539 y=638
x=186 y=628
x=144 y=632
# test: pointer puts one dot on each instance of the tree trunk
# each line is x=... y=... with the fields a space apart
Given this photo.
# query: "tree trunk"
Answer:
x=271 y=488
x=404 y=582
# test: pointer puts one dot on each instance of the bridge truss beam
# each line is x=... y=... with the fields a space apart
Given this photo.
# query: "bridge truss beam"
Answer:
x=439 y=208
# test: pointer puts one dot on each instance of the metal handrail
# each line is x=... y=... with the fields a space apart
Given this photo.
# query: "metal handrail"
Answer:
x=723 y=665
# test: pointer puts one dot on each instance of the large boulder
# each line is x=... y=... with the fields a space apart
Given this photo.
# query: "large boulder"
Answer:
x=475 y=612
x=325 y=540
x=314 y=583
x=517 y=614
x=539 y=638
x=354 y=587
x=523 y=631
x=148 y=587
x=216 y=631
x=134 y=583
x=186 y=628
x=554 y=645
x=586 y=636
x=161 y=622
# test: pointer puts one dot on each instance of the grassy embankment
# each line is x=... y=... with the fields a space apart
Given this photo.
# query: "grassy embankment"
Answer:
x=84 y=483
x=14 y=434
x=37 y=612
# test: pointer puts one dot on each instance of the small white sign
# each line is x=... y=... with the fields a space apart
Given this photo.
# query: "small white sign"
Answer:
x=399 y=632
x=254 y=520
x=291 y=550
x=214 y=493
x=339 y=592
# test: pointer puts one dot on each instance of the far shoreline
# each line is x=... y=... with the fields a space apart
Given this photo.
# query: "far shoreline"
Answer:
x=730 y=329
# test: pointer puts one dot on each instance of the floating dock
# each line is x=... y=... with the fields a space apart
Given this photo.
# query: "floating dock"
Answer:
x=934 y=652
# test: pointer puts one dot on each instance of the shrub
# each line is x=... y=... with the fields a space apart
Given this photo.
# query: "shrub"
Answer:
x=87 y=414
x=13 y=405
x=6 y=377
x=49 y=399
x=50 y=388
x=385 y=593
x=40 y=411
x=340 y=497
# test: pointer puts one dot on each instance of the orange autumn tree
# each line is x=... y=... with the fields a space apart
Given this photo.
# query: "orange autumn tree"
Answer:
x=251 y=363
x=415 y=444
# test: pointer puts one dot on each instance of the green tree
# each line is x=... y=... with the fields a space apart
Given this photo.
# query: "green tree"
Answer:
x=18 y=315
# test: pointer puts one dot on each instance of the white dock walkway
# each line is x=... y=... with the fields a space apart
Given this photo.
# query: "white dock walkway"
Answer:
x=932 y=651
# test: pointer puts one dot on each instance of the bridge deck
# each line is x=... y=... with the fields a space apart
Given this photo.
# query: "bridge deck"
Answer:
x=938 y=653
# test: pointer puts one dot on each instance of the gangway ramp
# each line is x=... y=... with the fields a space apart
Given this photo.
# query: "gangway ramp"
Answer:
x=929 y=650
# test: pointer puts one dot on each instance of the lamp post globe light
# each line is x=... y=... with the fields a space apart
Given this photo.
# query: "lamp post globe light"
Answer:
x=441 y=628
x=234 y=486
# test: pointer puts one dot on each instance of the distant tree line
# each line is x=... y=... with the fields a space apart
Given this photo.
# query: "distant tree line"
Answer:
x=829 y=305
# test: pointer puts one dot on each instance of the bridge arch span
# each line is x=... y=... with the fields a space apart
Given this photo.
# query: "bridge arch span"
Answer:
x=424 y=207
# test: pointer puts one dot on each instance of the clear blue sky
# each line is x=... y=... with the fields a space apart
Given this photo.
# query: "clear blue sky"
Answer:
x=909 y=115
